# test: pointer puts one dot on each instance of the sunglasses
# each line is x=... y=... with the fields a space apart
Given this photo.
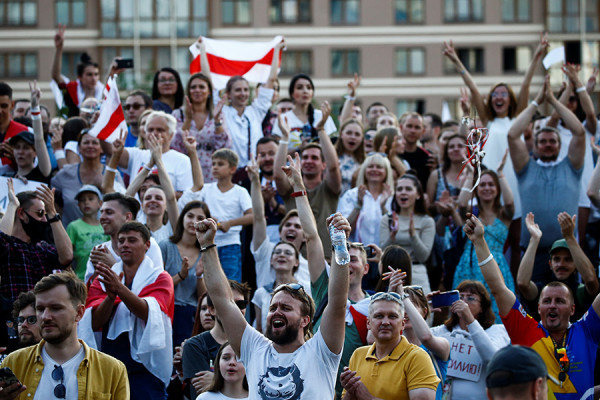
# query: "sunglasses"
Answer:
x=39 y=213
x=294 y=286
x=135 y=106
x=242 y=304
x=60 y=391
x=392 y=296
x=31 y=320
x=416 y=288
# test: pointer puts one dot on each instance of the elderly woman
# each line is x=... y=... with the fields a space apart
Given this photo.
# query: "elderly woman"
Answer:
x=178 y=165
x=366 y=204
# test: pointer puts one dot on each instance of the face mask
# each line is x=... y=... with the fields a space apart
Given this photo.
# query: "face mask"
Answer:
x=36 y=230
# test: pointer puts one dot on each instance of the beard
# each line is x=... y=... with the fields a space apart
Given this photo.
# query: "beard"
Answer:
x=59 y=335
x=287 y=336
x=27 y=340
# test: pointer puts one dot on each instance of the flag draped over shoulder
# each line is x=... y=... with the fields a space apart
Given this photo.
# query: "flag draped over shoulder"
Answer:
x=228 y=58
x=112 y=119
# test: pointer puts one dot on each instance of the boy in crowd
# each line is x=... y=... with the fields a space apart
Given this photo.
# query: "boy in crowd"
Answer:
x=86 y=232
x=230 y=205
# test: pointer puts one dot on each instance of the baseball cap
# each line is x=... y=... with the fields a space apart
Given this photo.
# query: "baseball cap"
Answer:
x=514 y=364
x=559 y=244
x=89 y=188
x=25 y=136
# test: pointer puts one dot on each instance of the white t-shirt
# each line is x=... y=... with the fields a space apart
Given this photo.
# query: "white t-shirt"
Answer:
x=225 y=206
x=217 y=396
x=266 y=275
x=250 y=121
x=296 y=127
x=178 y=166
x=153 y=252
x=45 y=389
x=306 y=374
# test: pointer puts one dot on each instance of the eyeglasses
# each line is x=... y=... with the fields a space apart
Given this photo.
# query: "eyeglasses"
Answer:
x=504 y=95
x=60 y=391
x=293 y=286
x=39 y=213
x=468 y=298
x=135 y=106
x=241 y=304
x=31 y=320
x=286 y=252
x=171 y=80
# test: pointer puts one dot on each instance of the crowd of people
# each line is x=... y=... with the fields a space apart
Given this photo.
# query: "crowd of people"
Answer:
x=192 y=257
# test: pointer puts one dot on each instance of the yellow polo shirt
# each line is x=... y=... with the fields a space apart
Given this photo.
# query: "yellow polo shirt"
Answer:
x=99 y=375
x=408 y=367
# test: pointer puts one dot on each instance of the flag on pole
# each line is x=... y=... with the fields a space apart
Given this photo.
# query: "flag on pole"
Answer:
x=112 y=119
x=228 y=58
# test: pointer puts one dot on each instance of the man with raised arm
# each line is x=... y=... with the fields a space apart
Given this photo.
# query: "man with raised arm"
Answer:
x=320 y=172
x=287 y=362
x=568 y=350
x=567 y=263
x=547 y=178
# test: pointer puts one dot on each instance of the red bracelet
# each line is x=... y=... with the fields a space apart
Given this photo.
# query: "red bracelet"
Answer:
x=299 y=193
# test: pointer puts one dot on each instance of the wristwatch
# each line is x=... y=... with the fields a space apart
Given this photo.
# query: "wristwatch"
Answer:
x=56 y=217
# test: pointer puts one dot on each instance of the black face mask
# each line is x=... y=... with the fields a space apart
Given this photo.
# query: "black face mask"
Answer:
x=36 y=230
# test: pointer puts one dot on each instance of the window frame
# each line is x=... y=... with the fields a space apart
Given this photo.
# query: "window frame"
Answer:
x=70 y=17
x=515 y=17
x=409 y=20
x=282 y=20
x=450 y=68
x=21 y=75
x=235 y=13
x=456 y=20
x=344 y=21
x=345 y=52
x=410 y=51
x=20 y=3
x=297 y=53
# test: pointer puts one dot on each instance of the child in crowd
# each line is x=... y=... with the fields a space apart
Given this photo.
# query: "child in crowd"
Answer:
x=86 y=232
x=230 y=205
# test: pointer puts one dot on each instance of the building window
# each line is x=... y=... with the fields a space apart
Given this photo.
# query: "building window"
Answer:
x=19 y=65
x=345 y=62
x=345 y=12
x=410 y=61
x=471 y=58
x=409 y=11
x=290 y=11
x=403 y=106
x=21 y=12
x=70 y=12
x=463 y=10
x=235 y=12
x=295 y=62
x=516 y=59
x=564 y=16
x=155 y=18
x=516 y=11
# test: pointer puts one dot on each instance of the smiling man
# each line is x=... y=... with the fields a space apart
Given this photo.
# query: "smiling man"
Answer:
x=391 y=368
x=61 y=363
x=568 y=350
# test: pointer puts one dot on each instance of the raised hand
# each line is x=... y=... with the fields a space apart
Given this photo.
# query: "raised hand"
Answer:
x=541 y=96
x=567 y=224
x=205 y=231
x=184 y=271
x=284 y=126
x=219 y=107
x=353 y=85
x=119 y=144
x=591 y=82
x=293 y=172
x=542 y=46
x=56 y=141
x=326 y=110
x=465 y=101
x=340 y=223
x=155 y=145
x=463 y=311
x=473 y=228
x=450 y=52
x=252 y=169
x=59 y=37
x=46 y=195
x=189 y=141
x=188 y=109
x=110 y=279
x=533 y=228
x=12 y=198
x=35 y=93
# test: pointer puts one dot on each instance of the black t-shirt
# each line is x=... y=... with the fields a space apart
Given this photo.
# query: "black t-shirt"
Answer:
x=198 y=354
x=418 y=161
x=34 y=175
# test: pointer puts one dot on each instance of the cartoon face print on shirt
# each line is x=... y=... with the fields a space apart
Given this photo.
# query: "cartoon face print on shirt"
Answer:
x=281 y=383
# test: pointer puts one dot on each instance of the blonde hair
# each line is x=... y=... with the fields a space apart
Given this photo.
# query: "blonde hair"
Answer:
x=378 y=159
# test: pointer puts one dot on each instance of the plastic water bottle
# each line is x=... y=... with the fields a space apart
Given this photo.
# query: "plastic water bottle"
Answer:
x=338 y=241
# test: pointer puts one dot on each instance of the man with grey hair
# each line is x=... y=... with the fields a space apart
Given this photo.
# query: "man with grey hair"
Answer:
x=162 y=126
x=391 y=368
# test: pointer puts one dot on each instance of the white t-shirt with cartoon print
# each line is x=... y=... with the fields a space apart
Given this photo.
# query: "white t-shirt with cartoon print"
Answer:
x=308 y=373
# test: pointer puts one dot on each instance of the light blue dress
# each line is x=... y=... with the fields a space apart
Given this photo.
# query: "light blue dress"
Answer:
x=468 y=268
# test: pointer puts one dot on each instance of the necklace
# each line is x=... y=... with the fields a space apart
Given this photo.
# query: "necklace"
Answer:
x=560 y=353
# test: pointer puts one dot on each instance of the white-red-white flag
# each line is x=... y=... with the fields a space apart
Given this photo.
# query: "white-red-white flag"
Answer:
x=112 y=119
x=228 y=58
